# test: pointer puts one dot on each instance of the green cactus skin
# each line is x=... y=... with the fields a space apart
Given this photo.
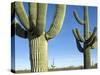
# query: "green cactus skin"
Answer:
x=89 y=39
x=35 y=31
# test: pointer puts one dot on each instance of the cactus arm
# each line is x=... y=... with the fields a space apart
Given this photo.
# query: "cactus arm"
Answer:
x=92 y=35
x=22 y=14
x=79 y=46
x=32 y=14
x=41 y=18
x=77 y=35
x=77 y=18
x=20 y=31
x=92 y=42
x=17 y=29
x=57 y=22
x=77 y=40
x=94 y=45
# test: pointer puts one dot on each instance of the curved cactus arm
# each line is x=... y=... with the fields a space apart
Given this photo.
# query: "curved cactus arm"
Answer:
x=32 y=14
x=90 y=44
x=94 y=42
x=41 y=18
x=22 y=14
x=77 y=35
x=17 y=29
x=92 y=35
x=94 y=45
x=79 y=46
x=57 y=22
x=77 y=18
x=20 y=31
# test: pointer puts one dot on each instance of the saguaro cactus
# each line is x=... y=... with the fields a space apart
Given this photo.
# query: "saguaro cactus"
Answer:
x=53 y=65
x=34 y=31
x=88 y=40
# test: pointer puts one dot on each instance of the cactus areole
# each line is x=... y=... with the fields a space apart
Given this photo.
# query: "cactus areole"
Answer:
x=34 y=31
x=89 y=39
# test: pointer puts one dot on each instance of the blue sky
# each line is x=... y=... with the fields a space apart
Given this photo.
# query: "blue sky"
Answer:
x=62 y=48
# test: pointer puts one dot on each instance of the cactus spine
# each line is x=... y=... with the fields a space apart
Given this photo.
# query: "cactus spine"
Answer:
x=34 y=25
x=89 y=40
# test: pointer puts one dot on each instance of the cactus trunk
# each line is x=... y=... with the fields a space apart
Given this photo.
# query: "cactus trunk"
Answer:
x=38 y=54
x=87 y=60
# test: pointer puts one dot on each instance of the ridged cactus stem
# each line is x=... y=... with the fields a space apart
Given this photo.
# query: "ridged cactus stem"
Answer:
x=88 y=39
x=38 y=54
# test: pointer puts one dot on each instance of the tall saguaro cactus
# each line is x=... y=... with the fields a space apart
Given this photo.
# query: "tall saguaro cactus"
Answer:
x=89 y=39
x=34 y=31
